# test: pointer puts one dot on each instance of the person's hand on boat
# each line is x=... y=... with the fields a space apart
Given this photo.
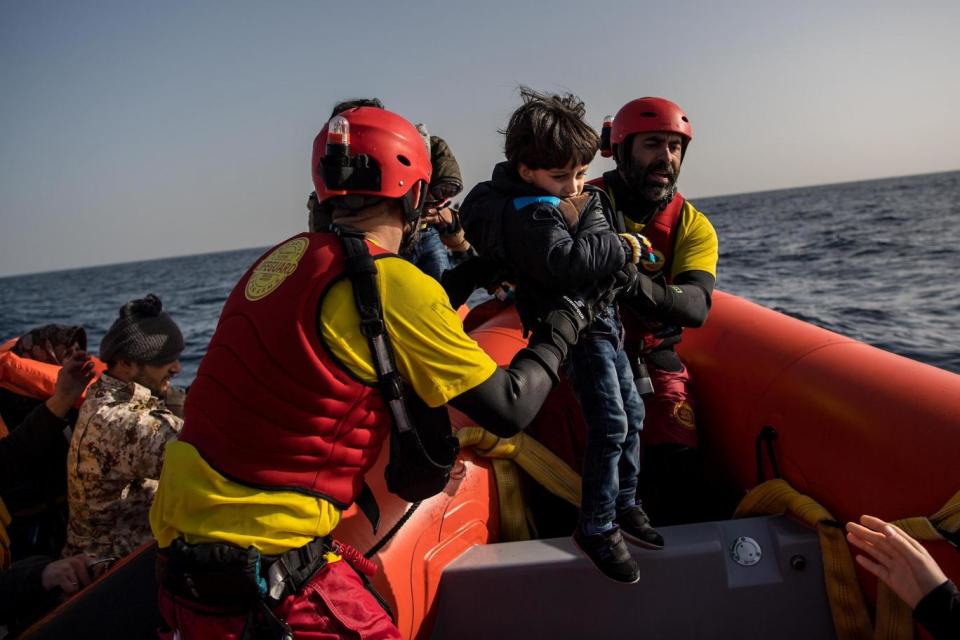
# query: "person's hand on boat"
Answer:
x=68 y=574
x=72 y=380
x=896 y=558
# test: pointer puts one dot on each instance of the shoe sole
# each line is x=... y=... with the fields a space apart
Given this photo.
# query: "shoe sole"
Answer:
x=610 y=578
x=640 y=542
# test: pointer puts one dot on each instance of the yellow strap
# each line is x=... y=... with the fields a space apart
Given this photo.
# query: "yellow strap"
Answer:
x=521 y=452
x=850 y=618
x=847 y=604
x=4 y=537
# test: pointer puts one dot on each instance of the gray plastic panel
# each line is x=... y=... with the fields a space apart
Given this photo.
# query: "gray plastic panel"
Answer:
x=692 y=588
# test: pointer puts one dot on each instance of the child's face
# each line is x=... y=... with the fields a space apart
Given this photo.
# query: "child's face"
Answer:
x=562 y=182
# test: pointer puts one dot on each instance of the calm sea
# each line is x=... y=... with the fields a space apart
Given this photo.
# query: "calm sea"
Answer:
x=878 y=261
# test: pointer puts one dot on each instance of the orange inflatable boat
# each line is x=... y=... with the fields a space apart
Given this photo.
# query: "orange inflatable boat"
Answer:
x=852 y=430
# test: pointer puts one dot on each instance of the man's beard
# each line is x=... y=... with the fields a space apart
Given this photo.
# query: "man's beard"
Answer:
x=637 y=178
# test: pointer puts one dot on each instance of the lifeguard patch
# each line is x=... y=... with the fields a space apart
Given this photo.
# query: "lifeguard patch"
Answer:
x=653 y=267
x=683 y=414
x=275 y=268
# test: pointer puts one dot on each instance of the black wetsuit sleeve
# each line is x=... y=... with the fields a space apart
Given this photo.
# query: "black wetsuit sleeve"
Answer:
x=507 y=401
x=939 y=612
x=37 y=439
x=686 y=302
x=21 y=588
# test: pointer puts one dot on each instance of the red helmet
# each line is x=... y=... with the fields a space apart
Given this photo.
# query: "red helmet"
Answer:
x=371 y=152
x=645 y=115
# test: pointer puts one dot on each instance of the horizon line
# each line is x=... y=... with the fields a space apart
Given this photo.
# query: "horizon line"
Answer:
x=719 y=195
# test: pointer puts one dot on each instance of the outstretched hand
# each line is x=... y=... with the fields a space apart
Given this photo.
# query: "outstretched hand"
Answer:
x=72 y=380
x=896 y=558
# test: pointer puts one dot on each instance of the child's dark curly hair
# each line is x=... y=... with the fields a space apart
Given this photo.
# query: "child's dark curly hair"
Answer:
x=548 y=132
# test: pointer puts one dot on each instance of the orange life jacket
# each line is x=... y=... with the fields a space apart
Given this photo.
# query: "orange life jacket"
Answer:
x=32 y=378
x=271 y=407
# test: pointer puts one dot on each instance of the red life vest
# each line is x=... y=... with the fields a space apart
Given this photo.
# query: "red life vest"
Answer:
x=271 y=407
x=661 y=231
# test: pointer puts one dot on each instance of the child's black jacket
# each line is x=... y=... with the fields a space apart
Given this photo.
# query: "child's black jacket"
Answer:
x=552 y=246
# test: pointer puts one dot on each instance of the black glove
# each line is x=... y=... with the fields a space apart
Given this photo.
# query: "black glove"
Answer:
x=570 y=316
x=640 y=293
x=560 y=329
x=469 y=276
x=626 y=281
x=562 y=325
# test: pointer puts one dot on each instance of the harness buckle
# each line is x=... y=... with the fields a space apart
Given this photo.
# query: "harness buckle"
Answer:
x=371 y=327
x=278 y=578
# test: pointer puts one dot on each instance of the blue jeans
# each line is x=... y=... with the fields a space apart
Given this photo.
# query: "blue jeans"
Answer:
x=603 y=381
x=429 y=253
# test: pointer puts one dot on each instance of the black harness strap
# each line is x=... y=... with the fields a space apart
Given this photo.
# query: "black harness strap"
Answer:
x=362 y=272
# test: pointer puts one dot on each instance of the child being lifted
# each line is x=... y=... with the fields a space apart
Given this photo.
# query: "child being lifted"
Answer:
x=554 y=237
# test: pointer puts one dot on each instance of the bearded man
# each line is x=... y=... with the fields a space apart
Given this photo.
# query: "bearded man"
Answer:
x=648 y=140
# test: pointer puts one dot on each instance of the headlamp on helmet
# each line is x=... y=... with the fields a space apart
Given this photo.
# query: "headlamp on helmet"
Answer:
x=365 y=155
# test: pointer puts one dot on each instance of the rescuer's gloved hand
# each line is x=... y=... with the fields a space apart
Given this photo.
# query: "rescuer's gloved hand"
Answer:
x=626 y=281
x=637 y=248
x=570 y=316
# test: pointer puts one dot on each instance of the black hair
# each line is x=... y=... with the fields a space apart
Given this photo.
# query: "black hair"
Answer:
x=548 y=131
x=340 y=107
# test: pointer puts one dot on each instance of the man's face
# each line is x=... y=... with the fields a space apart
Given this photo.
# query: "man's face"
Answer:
x=562 y=182
x=156 y=377
x=655 y=165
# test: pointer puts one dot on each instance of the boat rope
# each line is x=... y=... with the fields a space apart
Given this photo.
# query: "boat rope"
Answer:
x=848 y=607
x=392 y=532
x=767 y=436
x=508 y=456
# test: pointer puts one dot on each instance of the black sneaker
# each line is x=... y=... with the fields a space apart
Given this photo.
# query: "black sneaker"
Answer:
x=635 y=525
x=609 y=552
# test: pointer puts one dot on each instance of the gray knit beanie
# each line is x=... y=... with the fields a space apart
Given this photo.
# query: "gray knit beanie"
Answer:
x=143 y=333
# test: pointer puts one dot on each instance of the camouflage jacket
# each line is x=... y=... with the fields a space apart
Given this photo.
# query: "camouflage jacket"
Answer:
x=114 y=465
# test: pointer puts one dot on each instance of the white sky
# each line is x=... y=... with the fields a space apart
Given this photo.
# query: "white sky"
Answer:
x=134 y=130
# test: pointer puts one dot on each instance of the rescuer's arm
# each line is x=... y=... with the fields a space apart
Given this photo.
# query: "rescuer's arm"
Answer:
x=686 y=302
x=510 y=398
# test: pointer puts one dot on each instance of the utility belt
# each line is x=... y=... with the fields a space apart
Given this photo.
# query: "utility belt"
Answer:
x=225 y=580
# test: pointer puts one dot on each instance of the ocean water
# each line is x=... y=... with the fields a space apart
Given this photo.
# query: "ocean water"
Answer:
x=878 y=261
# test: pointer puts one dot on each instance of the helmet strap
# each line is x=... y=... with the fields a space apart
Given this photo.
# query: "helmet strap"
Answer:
x=413 y=210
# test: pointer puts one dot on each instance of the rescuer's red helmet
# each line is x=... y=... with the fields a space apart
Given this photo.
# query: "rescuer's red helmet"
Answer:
x=366 y=154
x=645 y=115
